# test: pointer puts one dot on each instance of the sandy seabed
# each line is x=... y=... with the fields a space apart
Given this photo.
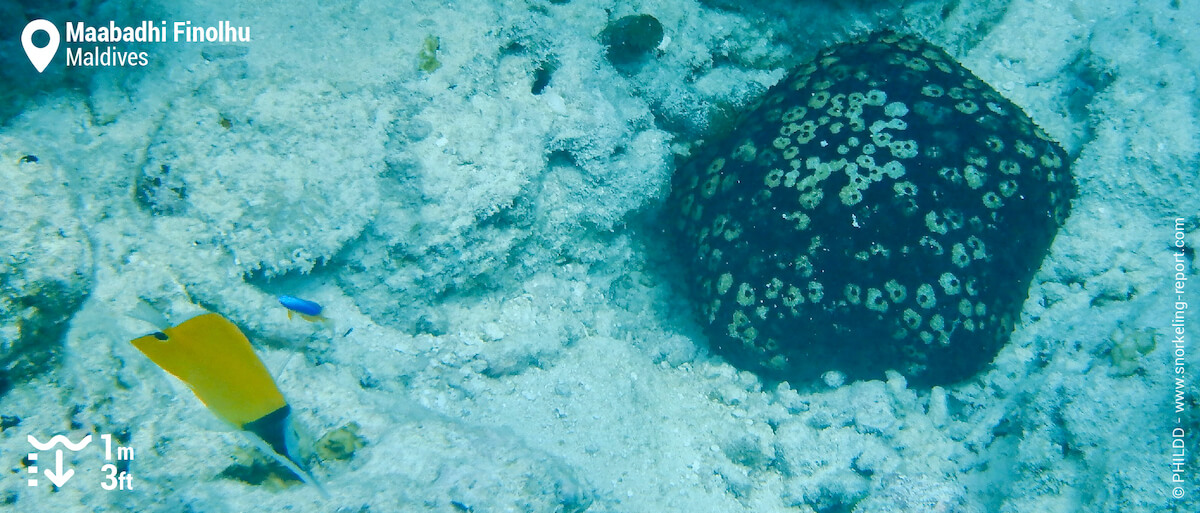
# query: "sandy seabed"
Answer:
x=473 y=192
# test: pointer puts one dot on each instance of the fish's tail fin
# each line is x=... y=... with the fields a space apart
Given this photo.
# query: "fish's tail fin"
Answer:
x=303 y=473
x=275 y=434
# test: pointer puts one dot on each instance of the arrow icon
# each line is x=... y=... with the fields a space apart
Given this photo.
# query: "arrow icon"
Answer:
x=57 y=476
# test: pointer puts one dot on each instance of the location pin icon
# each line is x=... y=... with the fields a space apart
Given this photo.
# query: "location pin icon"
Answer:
x=40 y=57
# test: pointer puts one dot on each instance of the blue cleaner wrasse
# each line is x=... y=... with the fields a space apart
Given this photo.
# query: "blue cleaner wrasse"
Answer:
x=309 y=310
x=212 y=356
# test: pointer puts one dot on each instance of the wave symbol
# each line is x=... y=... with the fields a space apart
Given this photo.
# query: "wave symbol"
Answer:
x=59 y=439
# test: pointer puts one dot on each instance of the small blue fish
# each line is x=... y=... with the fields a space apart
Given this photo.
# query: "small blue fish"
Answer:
x=309 y=310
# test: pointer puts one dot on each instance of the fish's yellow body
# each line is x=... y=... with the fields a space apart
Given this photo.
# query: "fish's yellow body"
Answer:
x=215 y=359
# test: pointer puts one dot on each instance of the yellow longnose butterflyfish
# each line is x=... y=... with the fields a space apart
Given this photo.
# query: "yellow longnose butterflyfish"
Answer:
x=212 y=356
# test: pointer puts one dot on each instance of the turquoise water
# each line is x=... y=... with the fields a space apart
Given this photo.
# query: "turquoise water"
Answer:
x=476 y=195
